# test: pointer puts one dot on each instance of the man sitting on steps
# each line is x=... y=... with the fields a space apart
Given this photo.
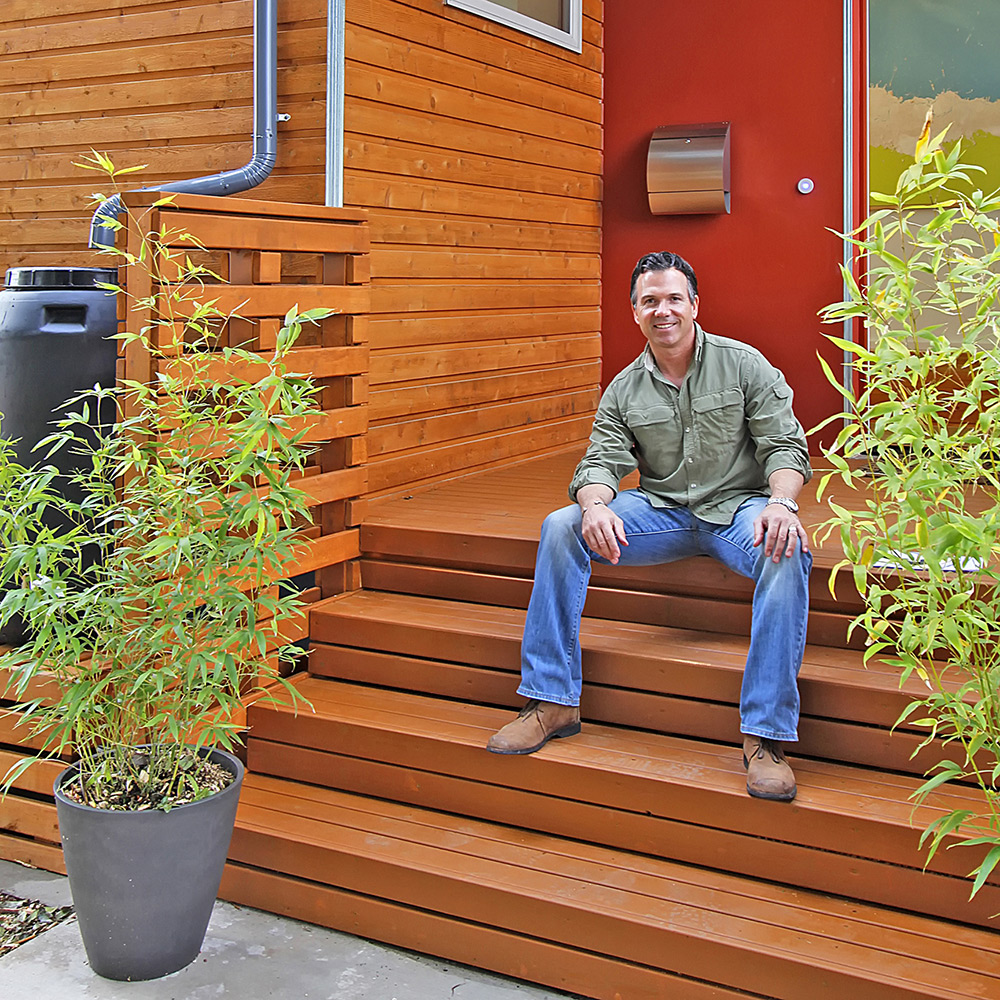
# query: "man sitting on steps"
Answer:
x=721 y=458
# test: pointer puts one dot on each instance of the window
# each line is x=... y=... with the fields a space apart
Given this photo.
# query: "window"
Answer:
x=940 y=54
x=558 y=21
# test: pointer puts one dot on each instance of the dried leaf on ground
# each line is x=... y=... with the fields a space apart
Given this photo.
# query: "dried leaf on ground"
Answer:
x=23 y=919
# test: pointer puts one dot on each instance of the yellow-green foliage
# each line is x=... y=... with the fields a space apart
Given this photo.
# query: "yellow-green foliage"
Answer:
x=923 y=437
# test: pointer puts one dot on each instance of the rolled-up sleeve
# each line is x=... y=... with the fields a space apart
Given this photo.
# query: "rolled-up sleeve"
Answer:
x=610 y=456
x=778 y=437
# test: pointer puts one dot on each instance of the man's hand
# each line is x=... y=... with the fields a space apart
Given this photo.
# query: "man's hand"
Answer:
x=603 y=529
x=779 y=529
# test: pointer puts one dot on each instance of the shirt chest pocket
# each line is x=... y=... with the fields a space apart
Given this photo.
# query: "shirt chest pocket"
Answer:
x=720 y=418
x=655 y=428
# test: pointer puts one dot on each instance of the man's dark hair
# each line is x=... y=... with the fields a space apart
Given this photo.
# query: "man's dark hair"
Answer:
x=664 y=260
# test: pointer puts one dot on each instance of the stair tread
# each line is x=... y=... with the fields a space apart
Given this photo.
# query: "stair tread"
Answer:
x=659 y=643
x=455 y=508
x=598 y=888
x=654 y=773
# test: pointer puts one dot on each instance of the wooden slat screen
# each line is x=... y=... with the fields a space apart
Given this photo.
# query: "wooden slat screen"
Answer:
x=275 y=256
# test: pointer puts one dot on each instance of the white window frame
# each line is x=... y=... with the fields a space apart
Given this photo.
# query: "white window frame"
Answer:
x=572 y=39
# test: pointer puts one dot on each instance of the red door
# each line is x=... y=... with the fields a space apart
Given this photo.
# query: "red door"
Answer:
x=776 y=70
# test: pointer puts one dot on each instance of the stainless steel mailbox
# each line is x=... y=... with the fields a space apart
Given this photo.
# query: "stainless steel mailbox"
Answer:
x=687 y=170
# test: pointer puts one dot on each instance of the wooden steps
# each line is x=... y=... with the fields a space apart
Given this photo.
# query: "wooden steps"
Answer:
x=673 y=680
x=627 y=862
x=585 y=917
x=849 y=831
x=449 y=544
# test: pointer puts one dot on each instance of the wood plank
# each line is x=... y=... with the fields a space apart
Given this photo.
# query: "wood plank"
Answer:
x=404 y=366
x=533 y=264
x=423 y=296
x=477 y=391
x=364 y=188
x=51 y=170
x=661 y=659
x=506 y=844
x=540 y=487
x=394 y=333
x=38 y=778
x=252 y=301
x=219 y=89
x=414 y=534
x=252 y=206
x=457 y=68
x=29 y=818
x=430 y=96
x=340 y=423
x=499 y=950
x=452 y=458
x=34 y=853
x=831 y=739
x=453 y=31
x=397 y=226
x=154 y=127
x=106 y=31
x=382 y=121
x=327 y=550
x=661 y=607
x=63 y=68
x=336 y=485
x=28 y=10
x=320 y=362
x=387 y=438
x=839 y=809
x=215 y=229
x=13 y=734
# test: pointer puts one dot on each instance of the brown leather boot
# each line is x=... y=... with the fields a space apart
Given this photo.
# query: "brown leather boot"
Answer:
x=768 y=773
x=537 y=723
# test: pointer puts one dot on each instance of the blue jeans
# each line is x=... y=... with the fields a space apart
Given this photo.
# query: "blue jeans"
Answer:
x=550 y=652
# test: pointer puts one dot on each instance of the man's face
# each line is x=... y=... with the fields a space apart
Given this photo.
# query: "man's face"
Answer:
x=664 y=312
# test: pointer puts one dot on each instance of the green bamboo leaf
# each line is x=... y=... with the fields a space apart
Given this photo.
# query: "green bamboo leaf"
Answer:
x=984 y=870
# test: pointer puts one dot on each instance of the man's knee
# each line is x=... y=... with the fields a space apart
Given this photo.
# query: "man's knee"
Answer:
x=561 y=525
x=786 y=571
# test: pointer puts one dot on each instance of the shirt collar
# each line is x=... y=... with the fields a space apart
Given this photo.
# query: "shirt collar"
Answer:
x=649 y=362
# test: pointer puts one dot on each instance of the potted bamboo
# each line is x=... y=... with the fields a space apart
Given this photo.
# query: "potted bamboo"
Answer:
x=154 y=607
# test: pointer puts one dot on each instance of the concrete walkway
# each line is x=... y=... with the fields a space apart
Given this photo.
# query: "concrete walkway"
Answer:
x=248 y=955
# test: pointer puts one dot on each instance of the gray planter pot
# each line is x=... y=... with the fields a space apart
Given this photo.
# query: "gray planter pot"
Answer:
x=144 y=883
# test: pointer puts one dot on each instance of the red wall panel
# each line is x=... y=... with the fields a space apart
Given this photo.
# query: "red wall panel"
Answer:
x=774 y=69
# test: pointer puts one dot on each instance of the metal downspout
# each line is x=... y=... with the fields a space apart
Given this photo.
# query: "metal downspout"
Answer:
x=265 y=135
x=335 y=31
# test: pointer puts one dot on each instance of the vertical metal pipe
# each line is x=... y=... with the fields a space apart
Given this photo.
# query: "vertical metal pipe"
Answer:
x=850 y=193
x=335 y=31
x=265 y=131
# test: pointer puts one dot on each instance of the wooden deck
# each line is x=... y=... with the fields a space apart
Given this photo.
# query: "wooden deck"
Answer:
x=627 y=862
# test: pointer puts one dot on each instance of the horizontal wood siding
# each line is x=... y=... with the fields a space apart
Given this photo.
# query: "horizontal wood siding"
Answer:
x=475 y=149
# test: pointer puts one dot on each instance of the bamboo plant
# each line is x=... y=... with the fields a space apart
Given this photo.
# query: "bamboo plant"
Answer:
x=921 y=437
x=151 y=586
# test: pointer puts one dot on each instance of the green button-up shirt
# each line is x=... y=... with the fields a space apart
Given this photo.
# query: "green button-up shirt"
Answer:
x=707 y=445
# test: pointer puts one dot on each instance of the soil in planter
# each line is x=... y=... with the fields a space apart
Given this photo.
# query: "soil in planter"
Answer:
x=146 y=788
x=24 y=919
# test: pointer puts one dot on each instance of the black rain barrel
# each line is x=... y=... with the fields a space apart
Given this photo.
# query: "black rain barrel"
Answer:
x=55 y=325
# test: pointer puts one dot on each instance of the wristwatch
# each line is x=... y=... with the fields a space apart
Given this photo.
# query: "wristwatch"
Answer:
x=785 y=502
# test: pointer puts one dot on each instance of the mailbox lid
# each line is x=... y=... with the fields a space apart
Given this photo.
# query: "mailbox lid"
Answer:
x=688 y=158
